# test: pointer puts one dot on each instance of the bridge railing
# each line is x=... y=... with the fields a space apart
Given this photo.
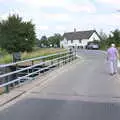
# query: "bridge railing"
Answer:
x=20 y=75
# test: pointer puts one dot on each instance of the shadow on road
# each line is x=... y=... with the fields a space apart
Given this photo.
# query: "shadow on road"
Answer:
x=51 y=109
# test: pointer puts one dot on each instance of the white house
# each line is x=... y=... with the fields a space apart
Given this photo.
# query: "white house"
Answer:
x=79 y=38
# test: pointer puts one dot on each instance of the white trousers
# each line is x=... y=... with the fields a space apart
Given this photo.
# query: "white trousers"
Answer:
x=113 y=66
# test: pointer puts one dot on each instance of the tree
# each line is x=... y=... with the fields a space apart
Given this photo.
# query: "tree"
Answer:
x=115 y=37
x=103 y=41
x=37 y=42
x=17 y=35
x=55 y=40
x=44 y=38
x=43 y=41
x=103 y=36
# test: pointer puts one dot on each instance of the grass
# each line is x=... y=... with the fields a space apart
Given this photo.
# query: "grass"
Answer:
x=6 y=59
x=36 y=53
x=41 y=52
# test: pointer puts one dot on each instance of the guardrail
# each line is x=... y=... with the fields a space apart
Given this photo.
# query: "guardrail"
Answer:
x=42 y=64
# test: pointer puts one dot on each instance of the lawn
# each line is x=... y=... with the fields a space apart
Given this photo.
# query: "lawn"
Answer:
x=36 y=53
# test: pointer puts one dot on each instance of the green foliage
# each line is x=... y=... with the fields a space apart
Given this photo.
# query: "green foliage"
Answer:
x=102 y=35
x=52 y=40
x=6 y=58
x=114 y=37
x=37 y=43
x=55 y=40
x=16 y=35
x=103 y=44
x=36 y=53
x=44 y=41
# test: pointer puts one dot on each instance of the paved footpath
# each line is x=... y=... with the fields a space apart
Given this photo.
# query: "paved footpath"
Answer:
x=80 y=91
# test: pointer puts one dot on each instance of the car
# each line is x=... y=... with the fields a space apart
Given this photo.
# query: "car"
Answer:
x=92 y=46
x=95 y=46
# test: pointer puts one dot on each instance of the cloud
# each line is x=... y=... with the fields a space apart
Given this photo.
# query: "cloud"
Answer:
x=19 y=11
x=68 y=14
x=2 y=0
x=57 y=17
x=107 y=22
x=42 y=3
x=86 y=7
x=60 y=27
x=45 y=27
x=111 y=4
x=69 y=5
x=109 y=1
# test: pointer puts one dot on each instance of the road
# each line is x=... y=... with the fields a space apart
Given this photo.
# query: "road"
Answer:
x=85 y=92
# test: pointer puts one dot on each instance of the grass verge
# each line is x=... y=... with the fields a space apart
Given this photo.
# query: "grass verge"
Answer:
x=36 y=53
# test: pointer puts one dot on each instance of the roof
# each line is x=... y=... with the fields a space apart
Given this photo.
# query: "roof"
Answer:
x=79 y=35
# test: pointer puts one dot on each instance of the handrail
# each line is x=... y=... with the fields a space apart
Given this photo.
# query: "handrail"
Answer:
x=33 y=59
x=10 y=82
x=17 y=71
x=62 y=58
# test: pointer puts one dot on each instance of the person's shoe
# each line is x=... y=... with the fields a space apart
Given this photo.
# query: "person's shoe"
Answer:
x=111 y=74
x=115 y=73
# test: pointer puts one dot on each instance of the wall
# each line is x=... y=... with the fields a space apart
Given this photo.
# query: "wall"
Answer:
x=64 y=43
x=69 y=43
x=76 y=43
x=94 y=37
x=84 y=42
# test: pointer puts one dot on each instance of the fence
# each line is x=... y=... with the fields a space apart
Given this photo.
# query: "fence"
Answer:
x=22 y=73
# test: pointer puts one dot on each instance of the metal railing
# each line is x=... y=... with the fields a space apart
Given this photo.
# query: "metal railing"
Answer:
x=42 y=64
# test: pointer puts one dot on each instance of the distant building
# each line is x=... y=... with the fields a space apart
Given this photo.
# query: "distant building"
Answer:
x=79 y=38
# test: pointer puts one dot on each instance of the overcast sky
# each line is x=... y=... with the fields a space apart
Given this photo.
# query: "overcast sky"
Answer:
x=59 y=16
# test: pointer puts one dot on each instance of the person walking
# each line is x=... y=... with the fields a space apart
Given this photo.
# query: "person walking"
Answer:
x=112 y=57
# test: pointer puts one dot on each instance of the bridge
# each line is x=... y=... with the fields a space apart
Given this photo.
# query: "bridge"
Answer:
x=74 y=89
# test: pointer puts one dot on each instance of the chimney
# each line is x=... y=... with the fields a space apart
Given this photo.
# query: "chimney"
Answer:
x=74 y=29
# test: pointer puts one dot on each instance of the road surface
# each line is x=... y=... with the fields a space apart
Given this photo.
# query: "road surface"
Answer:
x=85 y=92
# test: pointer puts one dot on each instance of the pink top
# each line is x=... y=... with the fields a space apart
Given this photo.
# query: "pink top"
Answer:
x=112 y=53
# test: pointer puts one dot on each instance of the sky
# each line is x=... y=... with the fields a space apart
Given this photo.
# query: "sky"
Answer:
x=59 y=16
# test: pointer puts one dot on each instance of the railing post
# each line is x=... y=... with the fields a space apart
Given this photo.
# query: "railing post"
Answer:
x=69 y=56
x=7 y=89
x=17 y=75
x=43 y=65
x=72 y=55
x=28 y=71
x=58 y=60
x=75 y=52
x=32 y=70
x=32 y=62
x=6 y=80
x=65 y=58
x=62 y=60
x=51 y=61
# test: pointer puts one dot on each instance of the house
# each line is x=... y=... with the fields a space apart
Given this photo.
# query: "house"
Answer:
x=79 y=38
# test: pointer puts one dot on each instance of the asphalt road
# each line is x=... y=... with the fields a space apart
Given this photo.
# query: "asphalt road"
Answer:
x=85 y=92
